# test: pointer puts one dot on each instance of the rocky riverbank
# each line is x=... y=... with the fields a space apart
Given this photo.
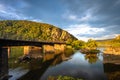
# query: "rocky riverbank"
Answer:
x=112 y=50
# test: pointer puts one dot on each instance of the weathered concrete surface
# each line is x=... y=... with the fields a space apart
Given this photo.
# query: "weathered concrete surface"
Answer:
x=48 y=49
x=59 y=48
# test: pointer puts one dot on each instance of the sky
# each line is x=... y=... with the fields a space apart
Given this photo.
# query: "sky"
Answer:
x=85 y=19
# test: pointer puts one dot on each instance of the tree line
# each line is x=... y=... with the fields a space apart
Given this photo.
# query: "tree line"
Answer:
x=79 y=44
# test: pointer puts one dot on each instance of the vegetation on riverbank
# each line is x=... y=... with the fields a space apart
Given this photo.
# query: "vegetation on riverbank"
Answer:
x=115 y=42
x=62 y=78
x=91 y=51
x=85 y=47
x=111 y=46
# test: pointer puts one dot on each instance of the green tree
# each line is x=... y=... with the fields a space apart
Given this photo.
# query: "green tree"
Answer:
x=78 y=44
x=91 y=44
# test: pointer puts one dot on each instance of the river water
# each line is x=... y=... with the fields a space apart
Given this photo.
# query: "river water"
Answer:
x=85 y=66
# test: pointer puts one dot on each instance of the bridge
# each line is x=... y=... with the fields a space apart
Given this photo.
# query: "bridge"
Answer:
x=6 y=43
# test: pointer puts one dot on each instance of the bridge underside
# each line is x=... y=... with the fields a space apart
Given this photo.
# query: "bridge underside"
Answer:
x=6 y=42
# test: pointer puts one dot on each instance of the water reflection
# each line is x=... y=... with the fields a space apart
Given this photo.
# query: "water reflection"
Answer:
x=92 y=58
x=78 y=65
x=112 y=66
x=36 y=67
x=112 y=71
x=35 y=74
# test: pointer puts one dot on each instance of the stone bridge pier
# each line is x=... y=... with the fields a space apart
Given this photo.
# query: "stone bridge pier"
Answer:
x=3 y=63
x=50 y=51
x=56 y=48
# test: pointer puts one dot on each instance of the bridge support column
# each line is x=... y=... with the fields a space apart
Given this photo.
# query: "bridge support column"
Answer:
x=48 y=49
x=59 y=48
x=9 y=51
x=3 y=63
x=26 y=50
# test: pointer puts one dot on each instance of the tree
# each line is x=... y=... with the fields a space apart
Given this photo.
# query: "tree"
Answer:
x=78 y=44
x=91 y=44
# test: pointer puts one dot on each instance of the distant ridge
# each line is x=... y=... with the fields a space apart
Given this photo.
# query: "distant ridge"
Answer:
x=104 y=40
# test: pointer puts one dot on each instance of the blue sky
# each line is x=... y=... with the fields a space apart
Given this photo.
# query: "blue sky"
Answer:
x=97 y=19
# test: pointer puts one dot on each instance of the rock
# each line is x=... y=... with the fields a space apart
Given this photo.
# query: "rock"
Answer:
x=24 y=58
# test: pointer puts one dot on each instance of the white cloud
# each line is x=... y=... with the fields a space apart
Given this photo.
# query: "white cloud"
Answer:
x=83 y=29
x=87 y=16
x=85 y=38
x=82 y=32
x=9 y=12
x=72 y=17
x=76 y=18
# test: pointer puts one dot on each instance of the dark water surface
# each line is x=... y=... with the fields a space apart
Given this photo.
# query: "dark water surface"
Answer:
x=85 y=66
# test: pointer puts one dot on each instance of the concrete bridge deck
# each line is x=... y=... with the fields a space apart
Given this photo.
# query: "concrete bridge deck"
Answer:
x=9 y=42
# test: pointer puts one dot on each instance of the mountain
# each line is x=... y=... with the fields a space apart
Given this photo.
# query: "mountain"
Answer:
x=32 y=31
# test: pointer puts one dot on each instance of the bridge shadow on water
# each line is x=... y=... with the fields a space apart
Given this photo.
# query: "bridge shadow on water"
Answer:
x=112 y=67
x=36 y=74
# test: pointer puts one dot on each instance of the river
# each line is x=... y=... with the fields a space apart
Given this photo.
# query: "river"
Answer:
x=84 y=66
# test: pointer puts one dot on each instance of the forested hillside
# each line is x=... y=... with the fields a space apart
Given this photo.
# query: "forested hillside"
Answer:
x=28 y=30
x=112 y=46
x=115 y=42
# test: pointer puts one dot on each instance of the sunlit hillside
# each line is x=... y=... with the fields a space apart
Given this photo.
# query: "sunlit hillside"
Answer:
x=28 y=30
